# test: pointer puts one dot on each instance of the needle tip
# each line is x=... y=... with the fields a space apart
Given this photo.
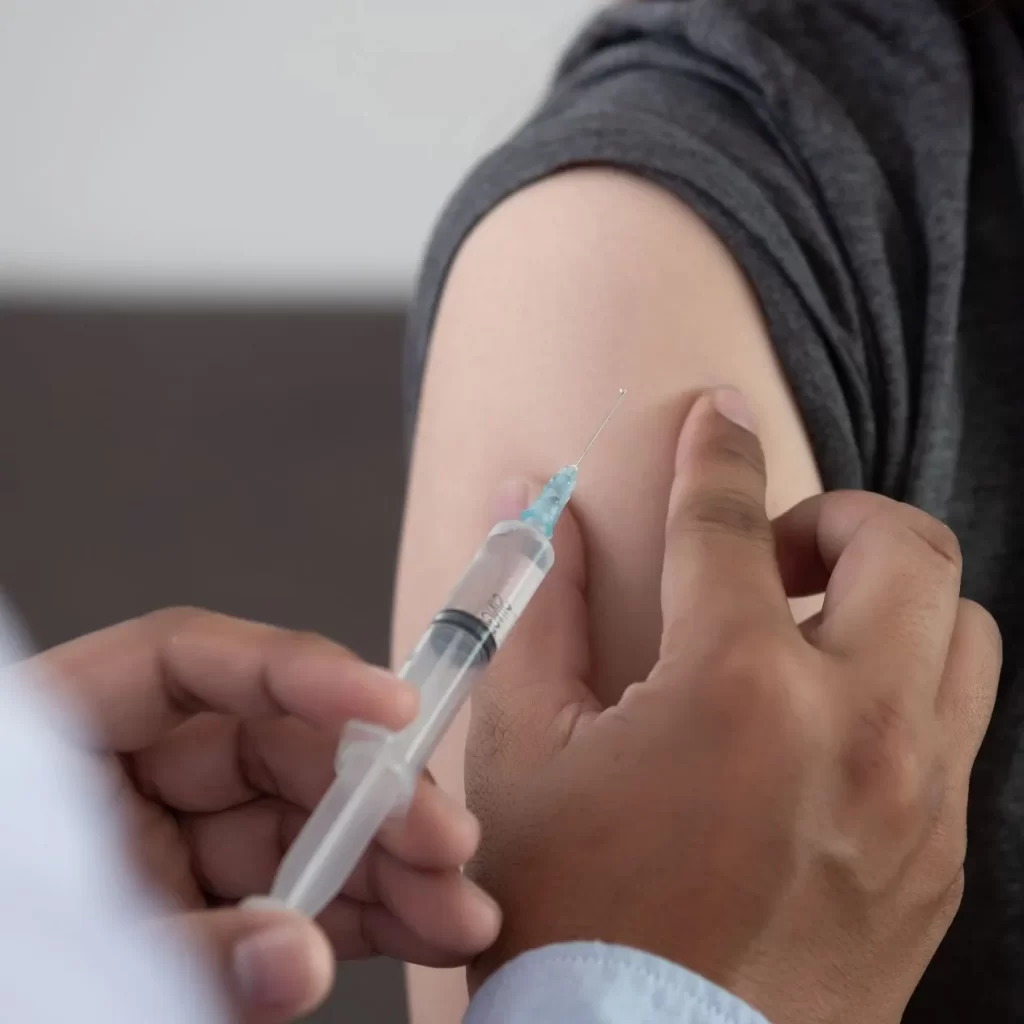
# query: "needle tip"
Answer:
x=604 y=423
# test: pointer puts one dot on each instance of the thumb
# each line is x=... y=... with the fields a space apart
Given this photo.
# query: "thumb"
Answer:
x=274 y=965
x=720 y=572
x=531 y=697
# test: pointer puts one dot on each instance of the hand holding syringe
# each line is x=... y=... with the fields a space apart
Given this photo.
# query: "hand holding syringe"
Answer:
x=378 y=769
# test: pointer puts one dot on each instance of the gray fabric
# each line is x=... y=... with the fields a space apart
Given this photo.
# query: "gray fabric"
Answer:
x=863 y=160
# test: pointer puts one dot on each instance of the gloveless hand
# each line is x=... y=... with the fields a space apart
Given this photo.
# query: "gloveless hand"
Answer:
x=222 y=736
x=780 y=808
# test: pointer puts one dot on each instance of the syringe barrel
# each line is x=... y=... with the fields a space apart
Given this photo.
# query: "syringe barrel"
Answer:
x=377 y=769
x=464 y=636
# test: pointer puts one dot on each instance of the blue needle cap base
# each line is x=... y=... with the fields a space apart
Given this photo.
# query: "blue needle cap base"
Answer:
x=544 y=512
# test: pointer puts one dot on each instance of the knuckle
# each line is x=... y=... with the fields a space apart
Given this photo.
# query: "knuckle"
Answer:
x=250 y=754
x=285 y=649
x=883 y=763
x=740 y=450
x=173 y=618
x=751 y=697
x=954 y=894
x=729 y=511
x=955 y=854
x=937 y=536
x=981 y=622
x=302 y=641
x=307 y=637
x=750 y=676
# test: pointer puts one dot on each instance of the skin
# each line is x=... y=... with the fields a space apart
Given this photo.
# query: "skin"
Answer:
x=780 y=808
x=805 y=786
x=573 y=288
x=220 y=735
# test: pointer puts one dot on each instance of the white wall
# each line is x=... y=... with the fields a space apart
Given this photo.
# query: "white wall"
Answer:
x=282 y=148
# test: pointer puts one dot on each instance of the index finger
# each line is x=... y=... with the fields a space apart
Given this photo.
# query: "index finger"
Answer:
x=138 y=680
x=891 y=575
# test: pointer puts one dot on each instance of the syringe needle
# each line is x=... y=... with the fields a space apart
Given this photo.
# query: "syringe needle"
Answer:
x=555 y=495
x=604 y=423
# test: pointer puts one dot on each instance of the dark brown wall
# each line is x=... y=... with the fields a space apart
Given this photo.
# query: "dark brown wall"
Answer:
x=245 y=461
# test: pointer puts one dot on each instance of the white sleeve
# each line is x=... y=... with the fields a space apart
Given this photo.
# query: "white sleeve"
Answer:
x=591 y=983
x=77 y=941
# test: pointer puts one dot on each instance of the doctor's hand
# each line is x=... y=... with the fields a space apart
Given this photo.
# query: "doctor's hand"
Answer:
x=779 y=808
x=222 y=735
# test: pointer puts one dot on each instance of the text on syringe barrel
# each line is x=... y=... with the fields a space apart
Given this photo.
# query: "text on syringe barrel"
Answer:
x=476 y=619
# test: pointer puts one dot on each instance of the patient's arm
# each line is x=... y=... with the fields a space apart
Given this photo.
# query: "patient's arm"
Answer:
x=582 y=284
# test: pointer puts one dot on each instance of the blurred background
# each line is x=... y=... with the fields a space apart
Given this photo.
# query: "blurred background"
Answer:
x=211 y=214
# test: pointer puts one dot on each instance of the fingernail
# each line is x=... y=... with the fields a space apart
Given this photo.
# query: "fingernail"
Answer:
x=513 y=496
x=461 y=825
x=733 y=406
x=262 y=903
x=401 y=699
x=386 y=678
x=267 y=966
x=488 y=905
x=462 y=818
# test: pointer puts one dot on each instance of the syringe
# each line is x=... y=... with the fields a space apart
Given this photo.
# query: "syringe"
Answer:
x=377 y=769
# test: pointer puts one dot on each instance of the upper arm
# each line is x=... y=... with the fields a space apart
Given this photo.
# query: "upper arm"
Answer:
x=584 y=283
